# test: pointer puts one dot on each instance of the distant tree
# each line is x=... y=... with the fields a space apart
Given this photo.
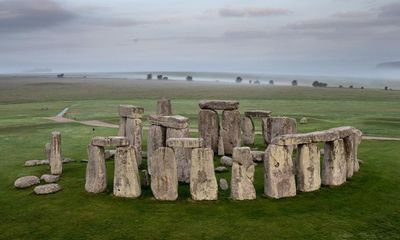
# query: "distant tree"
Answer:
x=165 y=78
x=189 y=78
x=149 y=76
x=351 y=86
x=257 y=82
x=159 y=76
x=362 y=87
x=60 y=75
x=250 y=81
x=340 y=86
x=239 y=79
x=386 y=88
x=271 y=82
x=294 y=83
x=319 y=84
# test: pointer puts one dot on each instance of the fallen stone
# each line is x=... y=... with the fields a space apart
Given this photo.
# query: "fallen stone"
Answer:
x=27 y=181
x=156 y=139
x=242 y=187
x=32 y=163
x=47 y=189
x=203 y=184
x=308 y=169
x=55 y=161
x=114 y=141
x=226 y=161
x=175 y=121
x=185 y=142
x=96 y=175
x=223 y=184
x=258 y=156
x=277 y=126
x=133 y=131
x=257 y=113
x=303 y=120
x=126 y=173
x=182 y=155
x=334 y=164
x=248 y=131
x=164 y=107
x=221 y=169
x=219 y=104
x=48 y=178
x=231 y=133
x=130 y=111
x=208 y=125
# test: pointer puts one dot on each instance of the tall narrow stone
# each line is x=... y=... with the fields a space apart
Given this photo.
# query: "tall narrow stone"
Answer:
x=208 y=125
x=242 y=187
x=308 y=168
x=182 y=155
x=164 y=107
x=122 y=126
x=334 y=164
x=349 y=153
x=126 y=173
x=164 y=179
x=248 y=131
x=55 y=154
x=357 y=142
x=47 y=150
x=231 y=133
x=133 y=132
x=96 y=178
x=156 y=139
x=276 y=126
x=203 y=184
x=279 y=179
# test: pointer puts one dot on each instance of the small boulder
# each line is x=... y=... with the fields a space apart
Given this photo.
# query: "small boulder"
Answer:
x=221 y=169
x=223 y=184
x=48 y=178
x=31 y=163
x=303 y=120
x=226 y=161
x=27 y=181
x=47 y=189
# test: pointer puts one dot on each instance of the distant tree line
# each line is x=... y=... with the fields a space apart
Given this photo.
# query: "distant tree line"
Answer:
x=319 y=84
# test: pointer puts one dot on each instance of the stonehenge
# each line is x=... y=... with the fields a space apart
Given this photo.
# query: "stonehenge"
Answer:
x=126 y=173
x=203 y=183
x=276 y=126
x=248 y=128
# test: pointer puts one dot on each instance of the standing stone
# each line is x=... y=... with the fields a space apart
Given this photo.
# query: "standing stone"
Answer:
x=47 y=150
x=126 y=173
x=349 y=146
x=203 y=184
x=242 y=187
x=55 y=154
x=357 y=142
x=122 y=126
x=133 y=132
x=276 y=126
x=156 y=139
x=208 y=124
x=248 y=131
x=164 y=179
x=231 y=133
x=164 y=107
x=308 y=168
x=279 y=179
x=334 y=164
x=182 y=155
x=96 y=178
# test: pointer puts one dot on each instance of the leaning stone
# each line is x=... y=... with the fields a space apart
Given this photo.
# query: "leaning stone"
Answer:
x=27 y=181
x=32 y=163
x=55 y=154
x=185 y=142
x=303 y=120
x=114 y=141
x=164 y=179
x=258 y=156
x=248 y=131
x=308 y=168
x=47 y=189
x=156 y=139
x=133 y=132
x=221 y=169
x=182 y=155
x=208 y=125
x=257 y=113
x=334 y=164
x=126 y=173
x=277 y=126
x=231 y=133
x=219 y=104
x=223 y=184
x=96 y=178
x=242 y=187
x=279 y=178
x=226 y=161
x=48 y=178
x=175 y=121
x=164 y=107
x=130 y=111
x=203 y=184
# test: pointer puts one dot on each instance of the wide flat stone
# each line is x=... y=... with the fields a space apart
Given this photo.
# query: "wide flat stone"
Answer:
x=175 y=121
x=32 y=163
x=257 y=113
x=47 y=189
x=185 y=142
x=114 y=141
x=130 y=111
x=219 y=104
x=48 y=178
x=27 y=181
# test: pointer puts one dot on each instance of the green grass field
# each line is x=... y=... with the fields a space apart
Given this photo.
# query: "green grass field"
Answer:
x=367 y=207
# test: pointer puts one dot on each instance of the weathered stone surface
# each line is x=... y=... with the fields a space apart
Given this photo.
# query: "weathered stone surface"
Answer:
x=258 y=156
x=185 y=142
x=242 y=187
x=175 y=121
x=55 y=154
x=31 y=163
x=47 y=150
x=164 y=179
x=357 y=141
x=122 y=126
x=130 y=111
x=349 y=153
x=208 y=125
x=144 y=178
x=231 y=133
x=182 y=155
x=133 y=132
x=226 y=161
x=221 y=169
x=126 y=173
x=96 y=178
x=248 y=131
x=47 y=189
x=156 y=139
x=27 y=181
x=277 y=126
x=308 y=167
x=219 y=104
x=48 y=178
x=223 y=184
x=114 y=141
x=257 y=113
x=279 y=178
x=109 y=154
x=164 y=107
x=334 y=164
x=303 y=120
x=203 y=184
x=221 y=151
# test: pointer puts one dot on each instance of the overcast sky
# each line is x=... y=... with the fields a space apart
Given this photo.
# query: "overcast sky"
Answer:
x=272 y=36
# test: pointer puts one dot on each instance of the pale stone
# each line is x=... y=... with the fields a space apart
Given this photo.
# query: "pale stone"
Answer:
x=277 y=126
x=223 y=184
x=122 y=126
x=55 y=154
x=308 y=167
x=221 y=151
x=164 y=107
x=126 y=173
x=303 y=120
x=133 y=132
x=357 y=141
x=258 y=156
x=47 y=189
x=185 y=142
x=242 y=187
x=279 y=178
x=109 y=154
x=221 y=169
x=257 y=113
x=156 y=139
x=47 y=150
x=27 y=181
x=48 y=178
x=248 y=131
x=130 y=111
x=334 y=164
x=164 y=179
x=96 y=178
x=175 y=121
x=226 y=161
x=31 y=163
x=203 y=184
x=231 y=133
x=208 y=125
x=113 y=141
x=219 y=104
x=182 y=155
x=349 y=148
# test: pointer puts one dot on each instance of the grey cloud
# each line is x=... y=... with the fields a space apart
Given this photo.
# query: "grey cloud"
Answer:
x=252 y=12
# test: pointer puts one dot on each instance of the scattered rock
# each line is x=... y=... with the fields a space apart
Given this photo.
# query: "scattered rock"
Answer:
x=48 y=178
x=31 y=163
x=67 y=160
x=219 y=104
x=27 y=181
x=223 y=184
x=248 y=131
x=55 y=154
x=226 y=161
x=221 y=169
x=47 y=189
x=303 y=120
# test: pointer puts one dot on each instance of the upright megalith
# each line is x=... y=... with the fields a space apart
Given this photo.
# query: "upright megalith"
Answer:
x=242 y=187
x=276 y=126
x=164 y=179
x=308 y=167
x=55 y=154
x=231 y=133
x=349 y=145
x=96 y=175
x=156 y=139
x=357 y=141
x=126 y=173
x=182 y=154
x=334 y=164
x=208 y=125
x=279 y=178
x=47 y=150
x=203 y=184
x=248 y=131
x=164 y=107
